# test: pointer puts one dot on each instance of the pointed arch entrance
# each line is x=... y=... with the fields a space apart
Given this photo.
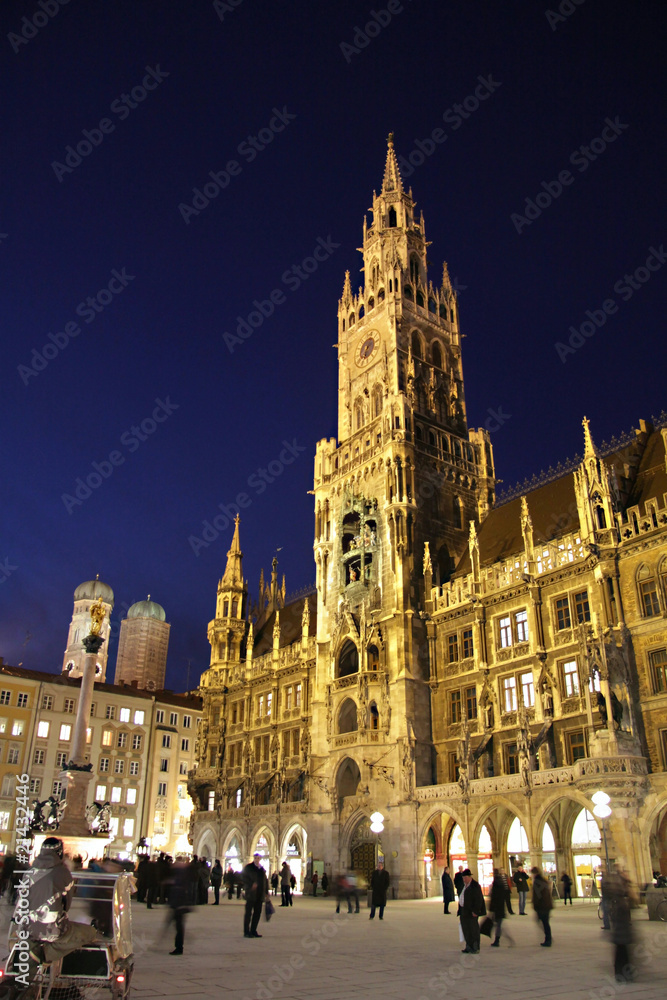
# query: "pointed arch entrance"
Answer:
x=294 y=852
x=362 y=851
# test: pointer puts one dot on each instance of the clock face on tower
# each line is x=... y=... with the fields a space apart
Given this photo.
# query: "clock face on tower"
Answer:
x=368 y=349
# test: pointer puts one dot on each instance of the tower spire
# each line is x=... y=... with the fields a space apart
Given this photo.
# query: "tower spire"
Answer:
x=233 y=576
x=590 y=451
x=392 y=176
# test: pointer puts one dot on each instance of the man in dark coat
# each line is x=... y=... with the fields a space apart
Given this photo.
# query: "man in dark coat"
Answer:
x=497 y=905
x=256 y=888
x=542 y=903
x=448 y=895
x=458 y=880
x=379 y=887
x=216 y=880
x=471 y=908
x=179 y=898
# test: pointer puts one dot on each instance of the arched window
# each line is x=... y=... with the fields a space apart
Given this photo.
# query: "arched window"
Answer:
x=235 y=608
x=225 y=609
x=348 y=661
x=391 y=285
x=414 y=270
x=352 y=320
x=436 y=354
x=407 y=291
x=392 y=217
x=377 y=401
x=431 y=305
x=374 y=716
x=347 y=778
x=373 y=658
x=416 y=345
x=347 y=717
x=420 y=299
x=371 y=303
x=362 y=312
x=375 y=274
x=381 y=295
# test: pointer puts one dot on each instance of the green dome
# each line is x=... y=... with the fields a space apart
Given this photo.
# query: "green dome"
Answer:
x=147 y=609
x=92 y=589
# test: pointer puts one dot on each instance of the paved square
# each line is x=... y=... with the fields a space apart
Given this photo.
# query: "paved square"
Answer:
x=307 y=951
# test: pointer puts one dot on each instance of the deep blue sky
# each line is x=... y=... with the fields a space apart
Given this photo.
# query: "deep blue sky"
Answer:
x=162 y=335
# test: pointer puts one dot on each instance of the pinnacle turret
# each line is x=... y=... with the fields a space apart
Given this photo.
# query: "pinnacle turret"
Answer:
x=392 y=176
x=233 y=576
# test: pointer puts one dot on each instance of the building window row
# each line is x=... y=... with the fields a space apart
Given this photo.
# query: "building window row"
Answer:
x=21 y=699
x=460 y=646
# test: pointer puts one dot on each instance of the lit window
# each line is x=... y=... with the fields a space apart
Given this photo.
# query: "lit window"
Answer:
x=4 y=820
x=115 y=793
x=124 y=715
x=22 y=701
x=134 y=768
x=43 y=729
x=107 y=738
x=509 y=694
x=185 y=745
x=527 y=690
x=113 y=827
x=89 y=736
x=119 y=766
x=139 y=718
x=505 y=628
x=173 y=719
x=65 y=732
x=17 y=728
x=594 y=682
x=131 y=796
x=260 y=705
x=521 y=623
x=571 y=676
x=269 y=699
x=3 y=725
x=100 y=793
x=187 y=721
x=239 y=793
x=211 y=801
x=128 y=828
x=166 y=740
x=121 y=741
x=104 y=763
x=68 y=707
x=180 y=792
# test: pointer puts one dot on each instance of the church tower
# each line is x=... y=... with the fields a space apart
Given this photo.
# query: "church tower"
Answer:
x=394 y=500
x=85 y=595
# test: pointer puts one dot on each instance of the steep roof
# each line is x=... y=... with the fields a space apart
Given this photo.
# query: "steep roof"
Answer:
x=290 y=625
x=651 y=477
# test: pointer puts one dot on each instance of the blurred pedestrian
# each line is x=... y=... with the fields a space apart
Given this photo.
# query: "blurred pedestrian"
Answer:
x=497 y=906
x=216 y=881
x=325 y=884
x=152 y=884
x=180 y=895
x=140 y=874
x=542 y=903
x=471 y=908
x=256 y=889
x=507 y=884
x=285 y=885
x=229 y=881
x=379 y=887
x=620 y=901
x=313 y=882
x=202 y=883
x=448 y=894
x=275 y=879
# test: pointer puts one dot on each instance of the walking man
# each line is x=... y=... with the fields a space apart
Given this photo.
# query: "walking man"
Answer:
x=471 y=908
x=520 y=879
x=379 y=887
x=542 y=903
x=216 y=881
x=285 y=885
x=256 y=888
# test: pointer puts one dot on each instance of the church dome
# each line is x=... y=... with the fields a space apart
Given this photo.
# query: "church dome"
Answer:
x=147 y=609
x=92 y=589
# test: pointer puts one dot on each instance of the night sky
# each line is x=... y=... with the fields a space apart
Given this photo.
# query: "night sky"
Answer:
x=290 y=104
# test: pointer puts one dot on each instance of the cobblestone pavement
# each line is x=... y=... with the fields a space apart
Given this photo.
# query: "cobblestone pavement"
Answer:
x=413 y=954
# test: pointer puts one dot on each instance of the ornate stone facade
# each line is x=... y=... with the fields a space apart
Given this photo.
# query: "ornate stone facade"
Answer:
x=460 y=663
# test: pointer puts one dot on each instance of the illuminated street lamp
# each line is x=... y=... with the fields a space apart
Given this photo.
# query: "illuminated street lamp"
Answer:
x=603 y=811
x=377 y=826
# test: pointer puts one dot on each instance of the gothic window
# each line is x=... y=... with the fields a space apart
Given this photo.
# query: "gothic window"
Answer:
x=455 y=706
x=361 y=312
x=351 y=532
x=392 y=217
x=352 y=320
x=373 y=658
x=414 y=270
x=347 y=717
x=374 y=716
x=235 y=609
x=436 y=354
x=375 y=274
x=407 y=291
x=431 y=305
x=358 y=414
x=371 y=303
x=225 y=609
x=381 y=295
x=420 y=299
x=418 y=432
x=443 y=312
x=600 y=516
x=458 y=513
x=432 y=439
x=348 y=661
x=416 y=345
x=451 y=315
x=391 y=285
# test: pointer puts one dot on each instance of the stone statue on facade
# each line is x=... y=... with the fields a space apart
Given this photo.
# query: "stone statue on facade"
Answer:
x=547 y=700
